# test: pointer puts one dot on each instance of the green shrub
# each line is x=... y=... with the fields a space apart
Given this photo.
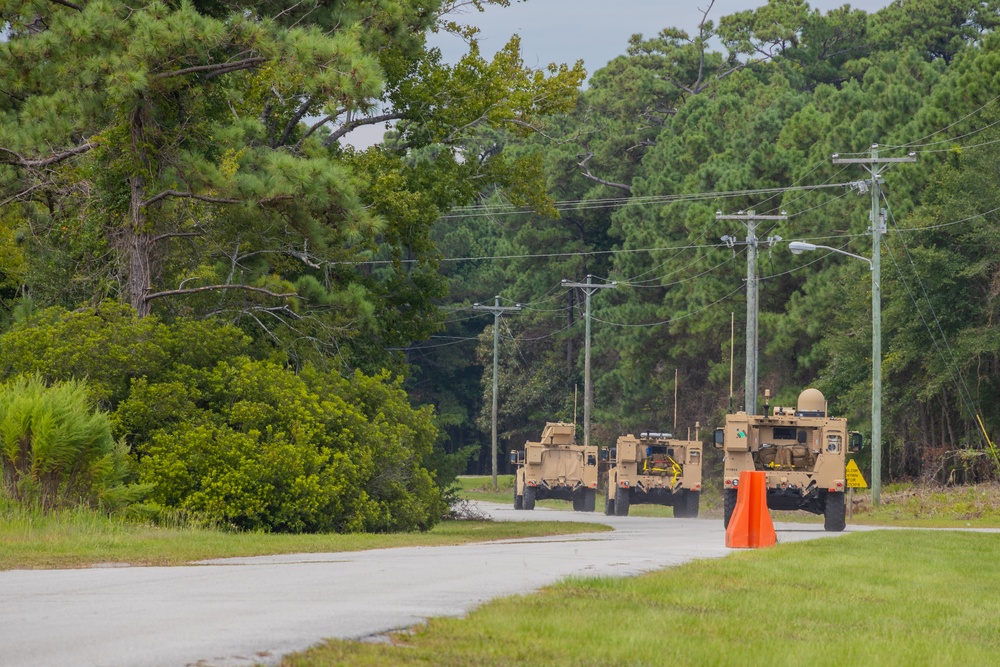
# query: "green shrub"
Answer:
x=57 y=449
x=246 y=442
x=258 y=446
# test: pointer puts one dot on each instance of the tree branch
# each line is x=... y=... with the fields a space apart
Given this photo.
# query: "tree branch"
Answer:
x=219 y=68
x=189 y=195
x=212 y=288
x=354 y=124
x=172 y=235
x=23 y=192
x=586 y=172
x=20 y=161
x=293 y=121
x=67 y=3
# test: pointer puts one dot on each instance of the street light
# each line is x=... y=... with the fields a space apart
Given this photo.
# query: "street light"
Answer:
x=797 y=248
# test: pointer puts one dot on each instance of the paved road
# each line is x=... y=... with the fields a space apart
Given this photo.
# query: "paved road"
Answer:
x=242 y=611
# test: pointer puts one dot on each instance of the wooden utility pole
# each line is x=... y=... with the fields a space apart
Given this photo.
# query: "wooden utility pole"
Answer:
x=873 y=164
x=588 y=289
x=751 y=218
x=497 y=311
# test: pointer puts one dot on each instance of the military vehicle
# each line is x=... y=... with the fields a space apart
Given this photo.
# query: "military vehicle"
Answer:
x=802 y=450
x=654 y=468
x=556 y=467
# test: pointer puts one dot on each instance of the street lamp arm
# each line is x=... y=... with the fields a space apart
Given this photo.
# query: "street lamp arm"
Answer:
x=798 y=247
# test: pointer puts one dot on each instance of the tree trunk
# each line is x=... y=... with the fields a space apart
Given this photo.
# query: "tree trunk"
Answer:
x=138 y=248
x=137 y=239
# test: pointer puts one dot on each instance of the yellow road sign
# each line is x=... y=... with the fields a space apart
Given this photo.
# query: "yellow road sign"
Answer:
x=855 y=480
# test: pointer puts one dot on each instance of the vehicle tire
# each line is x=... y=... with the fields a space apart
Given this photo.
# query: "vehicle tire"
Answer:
x=693 y=500
x=609 y=506
x=578 y=501
x=589 y=500
x=528 y=499
x=518 y=500
x=680 y=504
x=728 y=505
x=835 y=513
x=622 y=501
x=686 y=506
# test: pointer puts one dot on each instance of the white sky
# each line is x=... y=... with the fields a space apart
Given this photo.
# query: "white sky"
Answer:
x=595 y=31
x=564 y=31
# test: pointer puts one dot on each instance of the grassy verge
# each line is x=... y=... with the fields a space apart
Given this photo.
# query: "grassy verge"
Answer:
x=884 y=598
x=976 y=506
x=32 y=540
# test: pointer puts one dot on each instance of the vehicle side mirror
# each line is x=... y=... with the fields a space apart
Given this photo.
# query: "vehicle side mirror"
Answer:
x=720 y=438
x=856 y=442
x=613 y=454
x=605 y=454
x=513 y=456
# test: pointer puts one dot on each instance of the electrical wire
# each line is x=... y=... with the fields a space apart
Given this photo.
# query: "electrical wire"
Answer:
x=673 y=319
x=960 y=383
x=914 y=143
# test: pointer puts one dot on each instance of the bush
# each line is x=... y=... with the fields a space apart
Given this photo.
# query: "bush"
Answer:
x=243 y=441
x=56 y=449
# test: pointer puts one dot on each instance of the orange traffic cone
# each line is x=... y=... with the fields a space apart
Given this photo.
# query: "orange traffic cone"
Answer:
x=750 y=526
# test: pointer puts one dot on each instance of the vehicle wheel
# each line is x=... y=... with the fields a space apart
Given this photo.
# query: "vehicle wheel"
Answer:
x=680 y=504
x=609 y=506
x=578 y=501
x=692 y=501
x=728 y=505
x=622 y=502
x=835 y=514
x=528 y=500
x=518 y=500
x=589 y=500
x=686 y=506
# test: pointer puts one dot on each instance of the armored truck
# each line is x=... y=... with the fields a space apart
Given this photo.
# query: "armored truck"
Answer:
x=556 y=467
x=802 y=450
x=654 y=468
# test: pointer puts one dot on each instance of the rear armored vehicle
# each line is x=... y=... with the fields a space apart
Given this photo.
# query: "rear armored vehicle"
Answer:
x=556 y=467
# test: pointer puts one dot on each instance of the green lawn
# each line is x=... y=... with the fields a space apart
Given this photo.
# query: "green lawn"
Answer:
x=78 y=538
x=882 y=598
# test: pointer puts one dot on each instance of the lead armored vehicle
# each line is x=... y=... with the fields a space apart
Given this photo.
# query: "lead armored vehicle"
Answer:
x=802 y=450
x=556 y=467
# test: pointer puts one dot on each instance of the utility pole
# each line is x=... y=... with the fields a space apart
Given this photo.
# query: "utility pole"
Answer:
x=588 y=289
x=873 y=164
x=753 y=292
x=497 y=311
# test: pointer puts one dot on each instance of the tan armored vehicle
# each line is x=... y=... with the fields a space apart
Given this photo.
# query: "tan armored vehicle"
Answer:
x=802 y=450
x=556 y=467
x=654 y=468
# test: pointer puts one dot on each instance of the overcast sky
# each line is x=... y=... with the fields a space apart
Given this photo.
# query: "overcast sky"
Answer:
x=564 y=31
x=595 y=31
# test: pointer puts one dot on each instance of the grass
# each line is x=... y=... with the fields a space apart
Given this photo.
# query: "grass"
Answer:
x=886 y=598
x=975 y=506
x=30 y=539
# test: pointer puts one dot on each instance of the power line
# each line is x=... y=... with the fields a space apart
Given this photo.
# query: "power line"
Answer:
x=673 y=319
